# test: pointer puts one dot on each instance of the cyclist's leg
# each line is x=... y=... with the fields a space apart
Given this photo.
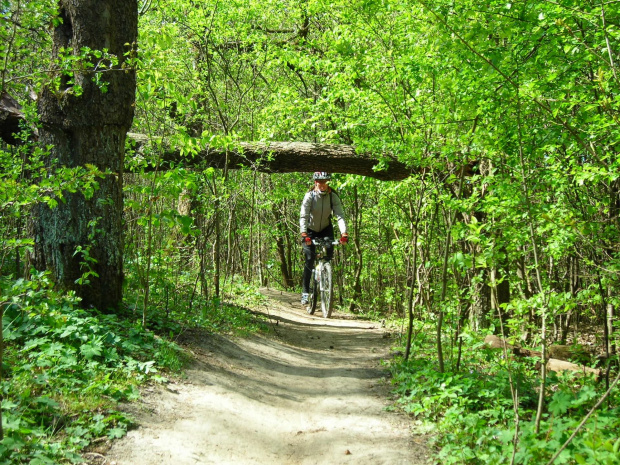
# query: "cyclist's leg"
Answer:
x=309 y=255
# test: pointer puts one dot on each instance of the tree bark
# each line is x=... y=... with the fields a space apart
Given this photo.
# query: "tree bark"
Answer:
x=10 y=117
x=88 y=129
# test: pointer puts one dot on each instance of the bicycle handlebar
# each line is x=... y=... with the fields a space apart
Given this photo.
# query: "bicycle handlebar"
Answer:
x=324 y=241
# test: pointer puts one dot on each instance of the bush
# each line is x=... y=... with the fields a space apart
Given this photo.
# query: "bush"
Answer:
x=476 y=420
x=64 y=371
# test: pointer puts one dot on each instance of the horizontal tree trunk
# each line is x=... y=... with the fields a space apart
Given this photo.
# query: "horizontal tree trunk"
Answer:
x=270 y=157
x=284 y=157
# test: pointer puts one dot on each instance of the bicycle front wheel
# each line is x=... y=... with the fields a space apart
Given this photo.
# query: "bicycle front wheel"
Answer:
x=314 y=294
x=327 y=290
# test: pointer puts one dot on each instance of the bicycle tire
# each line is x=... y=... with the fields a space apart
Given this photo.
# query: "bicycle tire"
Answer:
x=327 y=290
x=314 y=288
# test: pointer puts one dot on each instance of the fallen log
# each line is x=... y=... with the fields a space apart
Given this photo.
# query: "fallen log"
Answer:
x=270 y=157
x=282 y=157
x=553 y=364
x=494 y=342
x=557 y=365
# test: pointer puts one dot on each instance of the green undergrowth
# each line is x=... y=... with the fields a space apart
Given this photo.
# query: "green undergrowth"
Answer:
x=471 y=416
x=233 y=314
x=229 y=314
x=66 y=369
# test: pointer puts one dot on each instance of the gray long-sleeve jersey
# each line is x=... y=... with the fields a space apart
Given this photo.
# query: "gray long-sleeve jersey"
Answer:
x=316 y=210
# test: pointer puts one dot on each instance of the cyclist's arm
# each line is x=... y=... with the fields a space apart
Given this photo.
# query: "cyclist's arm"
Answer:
x=304 y=214
x=339 y=213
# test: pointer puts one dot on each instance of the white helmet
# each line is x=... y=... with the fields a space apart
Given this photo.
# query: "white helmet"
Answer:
x=321 y=175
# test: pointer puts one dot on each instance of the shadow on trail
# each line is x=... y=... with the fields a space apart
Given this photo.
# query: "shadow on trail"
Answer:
x=316 y=351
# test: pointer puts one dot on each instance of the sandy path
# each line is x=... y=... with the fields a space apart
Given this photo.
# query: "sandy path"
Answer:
x=311 y=392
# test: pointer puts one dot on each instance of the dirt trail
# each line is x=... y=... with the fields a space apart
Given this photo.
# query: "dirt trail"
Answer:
x=311 y=392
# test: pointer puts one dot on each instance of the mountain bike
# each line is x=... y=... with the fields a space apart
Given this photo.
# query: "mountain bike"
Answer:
x=322 y=279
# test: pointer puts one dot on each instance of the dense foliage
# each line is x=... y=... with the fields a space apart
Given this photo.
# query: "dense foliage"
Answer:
x=507 y=114
x=64 y=370
x=485 y=411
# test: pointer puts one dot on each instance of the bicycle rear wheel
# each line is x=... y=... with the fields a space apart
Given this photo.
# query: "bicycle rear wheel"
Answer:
x=327 y=290
x=314 y=294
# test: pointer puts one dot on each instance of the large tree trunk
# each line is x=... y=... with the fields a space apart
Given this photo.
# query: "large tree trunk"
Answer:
x=88 y=129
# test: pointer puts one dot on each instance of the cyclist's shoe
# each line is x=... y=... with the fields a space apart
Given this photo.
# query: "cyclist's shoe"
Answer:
x=304 y=299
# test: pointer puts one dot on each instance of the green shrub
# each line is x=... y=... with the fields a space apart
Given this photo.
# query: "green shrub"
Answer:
x=64 y=371
x=475 y=413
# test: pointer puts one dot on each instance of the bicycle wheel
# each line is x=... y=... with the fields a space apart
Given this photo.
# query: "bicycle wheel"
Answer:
x=314 y=291
x=327 y=290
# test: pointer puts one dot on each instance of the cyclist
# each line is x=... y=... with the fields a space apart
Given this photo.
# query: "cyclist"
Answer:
x=315 y=222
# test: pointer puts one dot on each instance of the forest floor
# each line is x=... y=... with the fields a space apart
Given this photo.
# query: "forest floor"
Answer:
x=309 y=391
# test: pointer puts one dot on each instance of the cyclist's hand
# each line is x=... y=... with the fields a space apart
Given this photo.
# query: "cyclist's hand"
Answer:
x=306 y=239
x=344 y=238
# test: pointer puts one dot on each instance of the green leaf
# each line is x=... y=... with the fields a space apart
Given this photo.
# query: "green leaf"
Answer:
x=560 y=403
x=8 y=404
x=579 y=458
x=116 y=433
x=91 y=350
